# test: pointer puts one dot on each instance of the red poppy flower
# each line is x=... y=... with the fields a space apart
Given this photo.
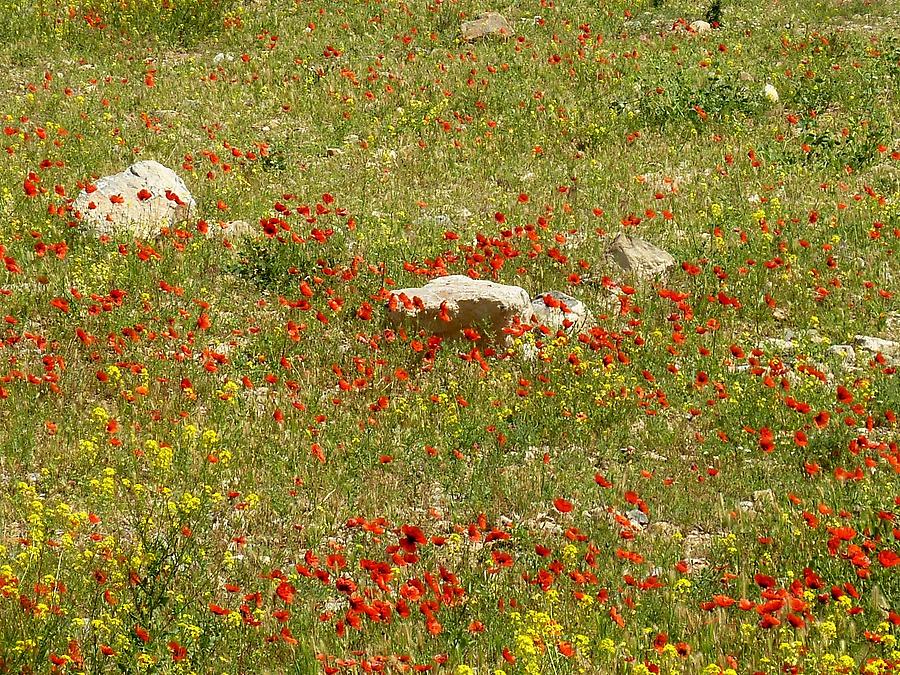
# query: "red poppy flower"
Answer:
x=764 y=581
x=821 y=420
x=412 y=536
x=766 y=439
x=888 y=558
x=562 y=505
x=769 y=621
x=286 y=592
x=796 y=621
x=61 y=304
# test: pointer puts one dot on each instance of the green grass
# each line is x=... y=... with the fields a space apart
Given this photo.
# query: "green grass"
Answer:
x=240 y=491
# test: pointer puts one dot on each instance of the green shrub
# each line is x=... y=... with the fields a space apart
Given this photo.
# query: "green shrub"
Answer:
x=174 y=21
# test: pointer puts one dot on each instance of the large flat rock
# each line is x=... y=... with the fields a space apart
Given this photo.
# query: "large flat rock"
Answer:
x=448 y=305
x=489 y=23
x=139 y=201
x=639 y=257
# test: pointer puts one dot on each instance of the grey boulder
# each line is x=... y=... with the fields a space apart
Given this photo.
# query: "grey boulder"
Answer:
x=140 y=201
x=558 y=311
x=489 y=23
x=639 y=257
x=446 y=306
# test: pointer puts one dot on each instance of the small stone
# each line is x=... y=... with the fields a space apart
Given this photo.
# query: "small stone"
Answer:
x=695 y=565
x=778 y=346
x=700 y=26
x=596 y=513
x=637 y=518
x=892 y=325
x=639 y=257
x=697 y=542
x=662 y=528
x=764 y=497
x=440 y=220
x=813 y=336
x=337 y=604
x=843 y=352
x=238 y=229
x=546 y=523
x=875 y=345
x=558 y=311
x=489 y=23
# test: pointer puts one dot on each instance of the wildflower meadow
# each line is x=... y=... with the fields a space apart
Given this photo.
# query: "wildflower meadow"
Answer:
x=648 y=425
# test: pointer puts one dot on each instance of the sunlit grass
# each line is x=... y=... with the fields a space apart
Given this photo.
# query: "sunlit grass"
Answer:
x=216 y=455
